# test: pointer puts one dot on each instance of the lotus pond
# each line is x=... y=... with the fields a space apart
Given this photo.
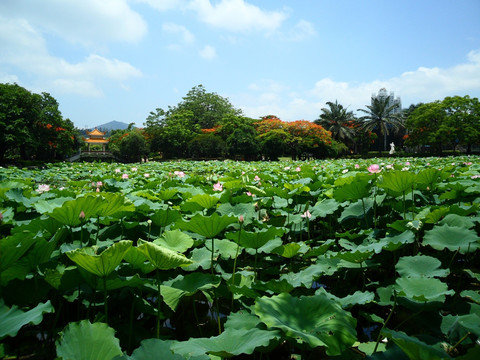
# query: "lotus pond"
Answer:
x=344 y=259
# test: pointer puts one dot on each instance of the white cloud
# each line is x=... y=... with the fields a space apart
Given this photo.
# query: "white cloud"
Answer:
x=162 y=5
x=86 y=22
x=208 y=52
x=421 y=85
x=25 y=50
x=187 y=36
x=302 y=30
x=237 y=15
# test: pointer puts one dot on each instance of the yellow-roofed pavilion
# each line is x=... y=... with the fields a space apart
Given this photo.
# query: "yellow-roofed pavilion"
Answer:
x=96 y=137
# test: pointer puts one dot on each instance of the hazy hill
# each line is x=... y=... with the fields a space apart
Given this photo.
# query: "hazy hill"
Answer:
x=112 y=125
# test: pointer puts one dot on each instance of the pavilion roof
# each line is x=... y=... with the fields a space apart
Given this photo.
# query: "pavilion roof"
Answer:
x=96 y=132
x=96 y=141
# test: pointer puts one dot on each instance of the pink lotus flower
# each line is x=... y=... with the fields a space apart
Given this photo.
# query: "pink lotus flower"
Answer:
x=43 y=188
x=146 y=175
x=407 y=163
x=286 y=168
x=217 y=187
x=249 y=193
x=306 y=215
x=298 y=168
x=389 y=167
x=357 y=166
x=117 y=171
x=125 y=176
x=180 y=174
x=99 y=183
x=256 y=178
x=374 y=168
x=134 y=169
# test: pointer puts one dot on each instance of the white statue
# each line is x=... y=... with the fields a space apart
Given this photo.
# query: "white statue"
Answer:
x=392 y=148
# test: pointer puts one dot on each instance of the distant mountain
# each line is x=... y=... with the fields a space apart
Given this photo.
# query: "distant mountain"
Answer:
x=112 y=125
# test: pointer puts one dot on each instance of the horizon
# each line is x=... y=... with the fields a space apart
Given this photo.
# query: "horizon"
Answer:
x=270 y=57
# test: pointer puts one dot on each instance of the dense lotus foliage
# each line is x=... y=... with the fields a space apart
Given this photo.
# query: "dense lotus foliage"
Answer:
x=343 y=259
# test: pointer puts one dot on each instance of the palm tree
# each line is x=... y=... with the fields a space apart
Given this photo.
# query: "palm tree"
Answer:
x=380 y=116
x=336 y=120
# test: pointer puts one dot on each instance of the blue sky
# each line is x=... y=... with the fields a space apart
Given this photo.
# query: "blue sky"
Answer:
x=120 y=59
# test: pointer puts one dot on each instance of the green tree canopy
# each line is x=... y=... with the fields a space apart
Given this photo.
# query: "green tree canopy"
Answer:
x=380 y=116
x=208 y=109
x=32 y=126
x=336 y=119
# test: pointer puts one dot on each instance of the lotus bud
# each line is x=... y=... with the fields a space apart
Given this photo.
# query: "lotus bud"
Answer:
x=82 y=215
x=241 y=219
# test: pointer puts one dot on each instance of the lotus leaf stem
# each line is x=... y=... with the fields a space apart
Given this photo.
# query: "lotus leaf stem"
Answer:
x=386 y=321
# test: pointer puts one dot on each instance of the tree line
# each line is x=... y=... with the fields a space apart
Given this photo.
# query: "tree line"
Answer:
x=205 y=125
x=32 y=127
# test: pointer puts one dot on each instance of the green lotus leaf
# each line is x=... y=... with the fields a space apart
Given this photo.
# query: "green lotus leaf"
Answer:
x=357 y=298
x=225 y=248
x=165 y=217
x=206 y=201
x=315 y=320
x=87 y=341
x=436 y=215
x=457 y=325
x=43 y=206
x=175 y=240
x=420 y=266
x=13 y=248
x=392 y=243
x=452 y=238
x=154 y=349
x=114 y=205
x=320 y=250
x=358 y=189
x=237 y=210
x=414 y=348
x=69 y=212
x=471 y=295
x=355 y=210
x=13 y=319
x=428 y=176
x=256 y=239
x=288 y=250
x=457 y=220
x=231 y=342
x=472 y=274
x=241 y=321
x=103 y=264
x=201 y=257
x=187 y=286
x=255 y=190
x=162 y=258
x=357 y=257
x=208 y=226
x=168 y=194
x=423 y=289
x=138 y=260
x=398 y=181
x=370 y=346
x=324 y=208
x=275 y=286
